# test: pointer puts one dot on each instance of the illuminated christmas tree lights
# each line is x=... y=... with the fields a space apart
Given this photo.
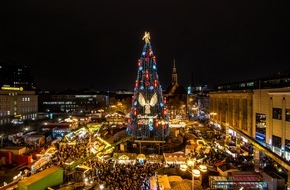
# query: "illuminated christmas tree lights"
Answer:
x=148 y=117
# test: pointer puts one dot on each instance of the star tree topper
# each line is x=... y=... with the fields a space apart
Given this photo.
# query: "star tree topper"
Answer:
x=146 y=37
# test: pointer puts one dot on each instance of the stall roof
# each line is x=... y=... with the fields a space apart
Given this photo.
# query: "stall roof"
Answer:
x=35 y=177
x=174 y=157
x=163 y=182
x=242 y=176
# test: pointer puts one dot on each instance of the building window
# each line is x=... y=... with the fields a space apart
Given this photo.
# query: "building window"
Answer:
x=261 y=127
x=242 y=85
x=276 y=141
x=250 y=84
x=287 y=145
x=244 y=115
x=277 y=113
x=287 y=115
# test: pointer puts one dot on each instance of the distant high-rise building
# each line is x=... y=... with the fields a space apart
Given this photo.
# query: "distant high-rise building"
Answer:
x=18 y=101
x=13 y=75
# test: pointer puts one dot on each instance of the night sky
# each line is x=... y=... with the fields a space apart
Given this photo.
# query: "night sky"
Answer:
x=96 y=43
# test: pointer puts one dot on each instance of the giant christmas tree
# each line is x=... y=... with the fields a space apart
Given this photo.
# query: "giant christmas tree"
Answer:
x=148 y=118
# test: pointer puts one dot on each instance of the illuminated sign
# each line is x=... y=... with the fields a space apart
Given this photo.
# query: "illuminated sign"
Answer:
x=142 y=122
x=12 y=88
x=146 y=116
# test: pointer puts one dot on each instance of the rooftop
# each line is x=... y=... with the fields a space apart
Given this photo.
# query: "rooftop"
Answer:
x=35 y=177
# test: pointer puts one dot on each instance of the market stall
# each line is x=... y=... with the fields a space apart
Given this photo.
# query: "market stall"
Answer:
x=125 y=158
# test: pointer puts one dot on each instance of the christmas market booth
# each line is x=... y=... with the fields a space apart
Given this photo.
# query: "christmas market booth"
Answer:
x=125 y=158
x=174 y=158
x=141 y=158
x=154 y=158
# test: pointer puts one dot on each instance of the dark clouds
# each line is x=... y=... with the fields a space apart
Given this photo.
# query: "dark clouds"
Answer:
x=81 y=44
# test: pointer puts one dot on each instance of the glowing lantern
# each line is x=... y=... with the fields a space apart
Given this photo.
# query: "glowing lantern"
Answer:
x=164 y=111
x=135 y=112
x=150 y=53
x=195 y=173
x=139 y=62
x=155 y=83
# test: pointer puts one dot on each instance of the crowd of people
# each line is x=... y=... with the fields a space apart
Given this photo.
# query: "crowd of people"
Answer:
x=115 y=176
x=111 y=175
x=122 y=176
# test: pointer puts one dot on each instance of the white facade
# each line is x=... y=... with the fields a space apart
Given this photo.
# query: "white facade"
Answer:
x=239 y=110
x=266 y=101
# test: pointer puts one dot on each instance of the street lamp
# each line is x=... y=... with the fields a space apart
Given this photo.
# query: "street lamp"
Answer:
x=26 y=129
x=190 y=167
x=190 y=163
x=203 y=168
x=101 y=186
x=163 y=124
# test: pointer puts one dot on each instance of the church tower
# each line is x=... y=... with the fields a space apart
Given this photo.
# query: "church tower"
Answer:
x=174 y=74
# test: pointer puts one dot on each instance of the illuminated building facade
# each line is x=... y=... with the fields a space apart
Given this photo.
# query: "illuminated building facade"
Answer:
x=17 y=105
x=175 y=97
x=259 y=108
x=72 y=101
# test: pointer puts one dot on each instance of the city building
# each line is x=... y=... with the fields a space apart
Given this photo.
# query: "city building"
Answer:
x=72 y=101
x=258 y=109
x=120 y=102
x=17 y=105
x=238 y=180
x=18 y=101
x=197 y=100
x=175 y=97
x=13 y=75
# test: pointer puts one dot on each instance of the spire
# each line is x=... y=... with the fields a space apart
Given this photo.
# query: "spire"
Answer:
x=174 y=74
